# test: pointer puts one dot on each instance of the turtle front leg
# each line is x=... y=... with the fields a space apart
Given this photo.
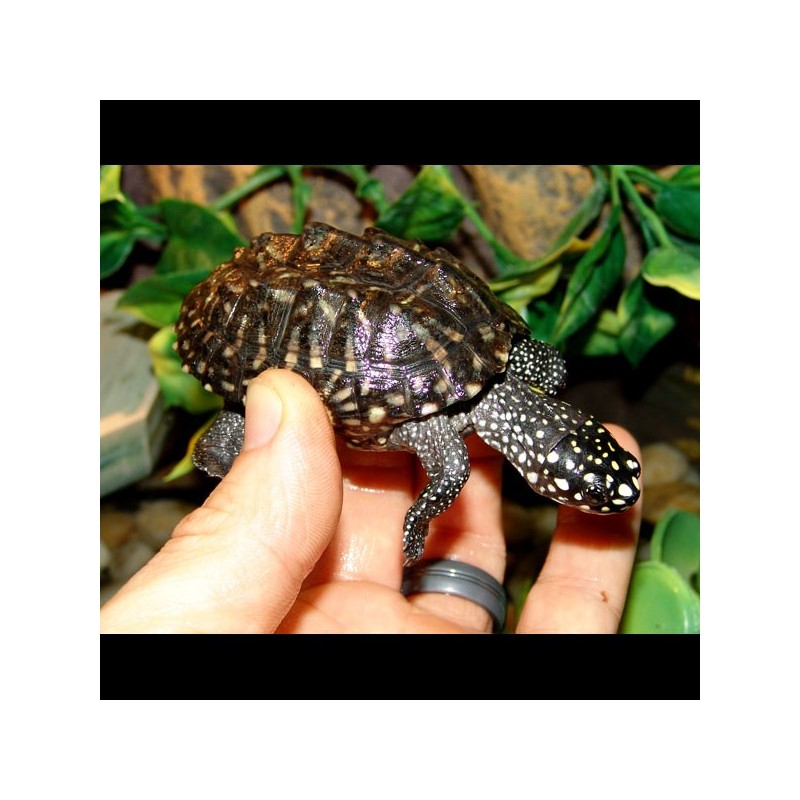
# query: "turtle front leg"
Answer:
x=220 y=444
x=444 y=456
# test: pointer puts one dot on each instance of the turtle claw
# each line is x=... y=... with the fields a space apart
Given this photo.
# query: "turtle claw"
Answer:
x=414 y=533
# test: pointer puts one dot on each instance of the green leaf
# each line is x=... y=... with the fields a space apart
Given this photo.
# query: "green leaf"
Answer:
x=115 y=247
x=430 y=209
x=116 y=215
x=642 y=324
x=367 y=187
x=177 y=387
x=301 y=195
x=186 y=465
x=679 y=207
x=687 y=175
x=198 y=238
x=157 y=300
x=674 y=268
x=541 y=316
x=660 y=601
x=693 y=248
x=595 y=275
x=110 y=175
x=676 y=541
x=588 y=211
x=603 y=338
x=520 y=294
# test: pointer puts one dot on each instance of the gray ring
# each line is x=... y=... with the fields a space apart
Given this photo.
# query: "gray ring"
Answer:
x=445 y=576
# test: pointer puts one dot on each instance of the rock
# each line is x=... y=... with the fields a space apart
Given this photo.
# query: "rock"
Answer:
x=156 y=519
x=673 y=494
x=270 y=208
x=105 y=556
x=108 y=591
x=129 y=558
x=528 y=205
x=116 y=527
x=662 y=463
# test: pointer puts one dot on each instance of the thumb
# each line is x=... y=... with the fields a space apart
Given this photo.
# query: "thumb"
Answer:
x=236 y=564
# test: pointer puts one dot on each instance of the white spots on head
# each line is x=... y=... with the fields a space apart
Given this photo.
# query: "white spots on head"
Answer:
x=208 y=387
x=632 y=464
x=532 y=477
x=589 y=477
x=552 y=457
x=624 y=490
x=614 y=465
x=569 y=464
x=561 y=483
x=539 y=434
x=522 y=457
x=185 y=368
x=635 y=482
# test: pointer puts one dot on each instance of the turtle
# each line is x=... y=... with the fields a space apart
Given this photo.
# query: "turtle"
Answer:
x=408 y=350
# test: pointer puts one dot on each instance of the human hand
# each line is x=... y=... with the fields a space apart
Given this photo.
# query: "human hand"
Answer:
x=292 y=542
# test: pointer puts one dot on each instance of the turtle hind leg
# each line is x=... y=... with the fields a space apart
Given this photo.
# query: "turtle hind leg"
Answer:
x=217 y=448
x=444 y=456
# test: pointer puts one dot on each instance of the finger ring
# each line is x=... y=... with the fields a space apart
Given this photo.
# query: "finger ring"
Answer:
x=445 y=576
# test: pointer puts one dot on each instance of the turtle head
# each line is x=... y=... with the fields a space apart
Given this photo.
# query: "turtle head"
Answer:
x=591 y=471
x=563 y=453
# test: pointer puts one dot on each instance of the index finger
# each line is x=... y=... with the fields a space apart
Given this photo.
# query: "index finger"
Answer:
x=584 y=582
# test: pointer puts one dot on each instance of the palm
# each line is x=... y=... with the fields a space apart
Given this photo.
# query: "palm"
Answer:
x=355 y=585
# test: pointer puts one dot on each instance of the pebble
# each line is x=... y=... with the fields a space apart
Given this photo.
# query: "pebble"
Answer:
x=116 y=527
x=663 y=463
x=105 y=556
x=129 y=558
x=156 y=519
x=673 y=494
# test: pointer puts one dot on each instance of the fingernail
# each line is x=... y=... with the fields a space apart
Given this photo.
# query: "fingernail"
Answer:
x=263 y=412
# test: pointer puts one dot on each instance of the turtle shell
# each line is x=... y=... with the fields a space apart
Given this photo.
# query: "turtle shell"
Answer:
x=385 y=330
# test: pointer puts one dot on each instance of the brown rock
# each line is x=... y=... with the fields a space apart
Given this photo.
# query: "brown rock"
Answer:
x=116 y=527
x=663 y=463
x=664 y=496
x=266 y=209
x=528 y=205
x=156 y=519
x=129 y=558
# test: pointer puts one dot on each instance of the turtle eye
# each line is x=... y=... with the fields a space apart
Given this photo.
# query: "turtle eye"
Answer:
x=597 y=493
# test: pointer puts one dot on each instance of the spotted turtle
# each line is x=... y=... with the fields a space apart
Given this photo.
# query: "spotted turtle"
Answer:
x=408 y=350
